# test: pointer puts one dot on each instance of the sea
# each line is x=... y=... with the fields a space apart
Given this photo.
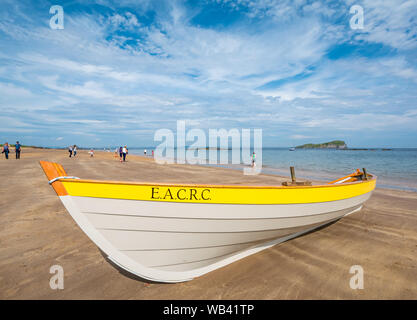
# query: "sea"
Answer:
x=396 y=168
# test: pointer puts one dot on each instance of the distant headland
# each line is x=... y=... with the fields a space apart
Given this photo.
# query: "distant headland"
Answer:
x=336 y=144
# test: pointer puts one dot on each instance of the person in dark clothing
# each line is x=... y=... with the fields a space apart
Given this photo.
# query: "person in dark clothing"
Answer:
x=6 y=150
x=125 y=152
x=70 y=151
x=17 y=148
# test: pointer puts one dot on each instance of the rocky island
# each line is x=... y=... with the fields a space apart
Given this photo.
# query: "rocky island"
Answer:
x=336 y=144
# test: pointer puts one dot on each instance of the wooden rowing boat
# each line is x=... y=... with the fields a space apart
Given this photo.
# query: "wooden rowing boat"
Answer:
x=176 y=232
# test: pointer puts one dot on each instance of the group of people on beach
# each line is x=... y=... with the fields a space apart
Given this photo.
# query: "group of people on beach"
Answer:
x=17 y=149
x=122 y=152
x=72 y=150
x=145 y=152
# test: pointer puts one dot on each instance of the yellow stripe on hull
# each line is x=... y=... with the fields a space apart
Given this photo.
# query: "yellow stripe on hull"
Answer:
x=220 y=194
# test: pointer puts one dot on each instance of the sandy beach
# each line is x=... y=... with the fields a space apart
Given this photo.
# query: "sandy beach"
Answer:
x=37 y=232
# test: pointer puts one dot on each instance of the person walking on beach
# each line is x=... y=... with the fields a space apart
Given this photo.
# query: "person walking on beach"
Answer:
x=70 y=151
x=144 y=152
x=120 y=153
x=91 y=152
x=74 y=150
x=17 y=149
x=125 y=152
x=6 y=150
x=253 y=159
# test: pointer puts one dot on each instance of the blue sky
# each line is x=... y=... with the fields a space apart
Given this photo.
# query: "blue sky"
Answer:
x=120 y=70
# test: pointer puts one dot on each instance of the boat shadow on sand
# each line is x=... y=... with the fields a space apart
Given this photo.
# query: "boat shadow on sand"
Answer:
x=127 y=273
x=146 y=281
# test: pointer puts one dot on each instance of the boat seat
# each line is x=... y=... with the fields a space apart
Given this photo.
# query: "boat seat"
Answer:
x=297 y=183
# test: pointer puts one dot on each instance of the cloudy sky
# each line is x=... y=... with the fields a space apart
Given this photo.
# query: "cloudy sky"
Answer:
x=120 y=70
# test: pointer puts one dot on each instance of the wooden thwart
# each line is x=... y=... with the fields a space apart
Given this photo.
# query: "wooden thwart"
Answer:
x=365 y=175
x=293 y=181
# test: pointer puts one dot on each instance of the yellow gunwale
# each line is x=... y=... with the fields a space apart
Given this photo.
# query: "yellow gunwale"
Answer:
x=372 y=177
x=217 y=194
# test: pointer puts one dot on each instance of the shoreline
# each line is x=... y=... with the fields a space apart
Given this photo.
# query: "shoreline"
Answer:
x=268 y=170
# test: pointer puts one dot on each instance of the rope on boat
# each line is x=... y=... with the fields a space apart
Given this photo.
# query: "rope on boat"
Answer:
x=341 y=181
x=62 y=177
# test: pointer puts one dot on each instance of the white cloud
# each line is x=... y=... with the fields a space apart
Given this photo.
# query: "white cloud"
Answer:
x=127 y=20
x=300 y=136
x=391 y=23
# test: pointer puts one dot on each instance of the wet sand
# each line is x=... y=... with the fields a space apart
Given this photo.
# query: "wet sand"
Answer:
x=37 y=232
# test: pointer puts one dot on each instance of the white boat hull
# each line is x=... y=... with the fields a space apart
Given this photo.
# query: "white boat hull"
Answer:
x=174 y=241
